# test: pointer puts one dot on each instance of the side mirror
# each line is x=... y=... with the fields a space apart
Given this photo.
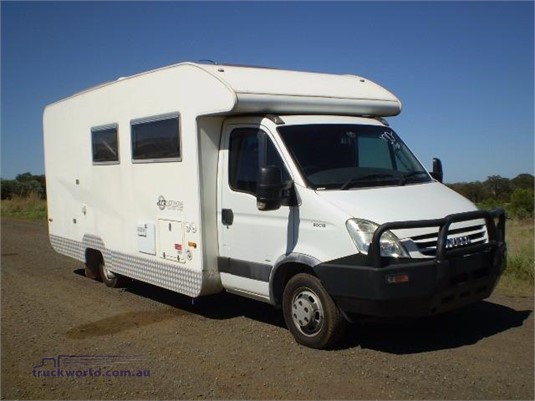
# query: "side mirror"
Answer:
x=437 y=172
x=269 y=188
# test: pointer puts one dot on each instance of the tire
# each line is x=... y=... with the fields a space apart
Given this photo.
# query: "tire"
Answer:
x=91 y=272
x=110 y=279
x=310 y=313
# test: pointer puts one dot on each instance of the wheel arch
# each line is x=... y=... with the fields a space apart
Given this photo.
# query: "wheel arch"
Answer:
x=93 y=259
x=285 y=268
x=93 y=256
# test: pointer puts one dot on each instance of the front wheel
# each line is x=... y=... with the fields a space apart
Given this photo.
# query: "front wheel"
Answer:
x=310 y=313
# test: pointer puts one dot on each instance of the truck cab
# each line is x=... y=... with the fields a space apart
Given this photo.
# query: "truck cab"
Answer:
x=341 y=206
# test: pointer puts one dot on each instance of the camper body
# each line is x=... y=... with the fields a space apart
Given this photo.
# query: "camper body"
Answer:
x=286 y=187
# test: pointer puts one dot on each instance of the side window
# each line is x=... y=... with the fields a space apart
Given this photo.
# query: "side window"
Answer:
x=104 y=144
x=245 y=157
x=157 y=139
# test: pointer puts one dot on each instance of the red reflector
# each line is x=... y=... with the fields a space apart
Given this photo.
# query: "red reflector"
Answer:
x=397 y=278
x=178 y=247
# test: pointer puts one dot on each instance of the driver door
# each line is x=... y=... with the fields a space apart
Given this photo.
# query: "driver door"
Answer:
x=250 y=240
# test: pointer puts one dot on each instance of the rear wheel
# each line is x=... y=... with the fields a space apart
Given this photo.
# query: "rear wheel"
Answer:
x=310 y=313
x=91 y=272
x=110 y=279
x=92 y=264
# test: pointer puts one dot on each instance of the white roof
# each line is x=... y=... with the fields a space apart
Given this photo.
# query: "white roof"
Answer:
x=264 y=90
x=283 y=91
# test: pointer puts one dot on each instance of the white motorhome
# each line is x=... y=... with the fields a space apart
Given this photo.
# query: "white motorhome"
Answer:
x=283 y=186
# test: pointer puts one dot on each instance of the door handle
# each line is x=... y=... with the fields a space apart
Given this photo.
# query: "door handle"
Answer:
x=227 y=217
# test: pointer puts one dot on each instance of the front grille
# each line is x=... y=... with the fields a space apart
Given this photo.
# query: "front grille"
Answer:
x=458 y=238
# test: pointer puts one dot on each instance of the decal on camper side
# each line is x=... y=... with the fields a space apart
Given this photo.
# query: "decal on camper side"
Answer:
x=169 y=204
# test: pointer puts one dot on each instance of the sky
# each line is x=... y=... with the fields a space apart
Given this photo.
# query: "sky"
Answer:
x=464 y=71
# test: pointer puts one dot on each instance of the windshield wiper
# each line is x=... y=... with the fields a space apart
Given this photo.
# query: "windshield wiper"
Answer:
x=355 y=180
x=405 y=177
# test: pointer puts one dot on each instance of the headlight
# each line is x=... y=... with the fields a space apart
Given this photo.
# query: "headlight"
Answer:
x=361 y=232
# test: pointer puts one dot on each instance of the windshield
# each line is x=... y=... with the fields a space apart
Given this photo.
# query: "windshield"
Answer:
x=343 y=156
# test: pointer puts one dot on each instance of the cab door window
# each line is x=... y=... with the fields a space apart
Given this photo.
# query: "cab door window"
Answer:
x=250 y=148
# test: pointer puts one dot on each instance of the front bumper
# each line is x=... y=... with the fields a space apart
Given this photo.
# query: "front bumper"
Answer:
x=376 y=286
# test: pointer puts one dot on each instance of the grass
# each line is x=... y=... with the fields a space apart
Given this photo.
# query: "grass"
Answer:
x=518 y=276
x=517 y=279
x=28 y=208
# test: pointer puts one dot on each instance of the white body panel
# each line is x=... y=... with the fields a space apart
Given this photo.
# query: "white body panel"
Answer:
x=415 y=202
x=101 y=206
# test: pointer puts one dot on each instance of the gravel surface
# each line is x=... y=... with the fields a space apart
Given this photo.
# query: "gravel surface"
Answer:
x=227 y=347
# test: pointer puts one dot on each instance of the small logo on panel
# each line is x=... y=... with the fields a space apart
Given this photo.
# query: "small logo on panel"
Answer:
x=169 y=204
x=161 y=202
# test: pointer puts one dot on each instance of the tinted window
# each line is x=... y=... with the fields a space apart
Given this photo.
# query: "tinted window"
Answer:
x=157 y=139
x=105 y=145
x=245 y=158
x=343 y=156
x=373 y=153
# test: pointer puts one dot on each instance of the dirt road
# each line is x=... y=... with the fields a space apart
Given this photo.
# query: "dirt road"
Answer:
x=67 y=337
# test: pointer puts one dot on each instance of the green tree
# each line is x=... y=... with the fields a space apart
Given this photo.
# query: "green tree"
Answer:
x=522 y=203
x=523 y=181
x=24 y=177
x=498 y=187
x=23 y=185
x=8 y=188
x=475 y=191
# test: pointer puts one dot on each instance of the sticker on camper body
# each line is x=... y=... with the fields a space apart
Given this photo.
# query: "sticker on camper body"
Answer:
x=169 y=204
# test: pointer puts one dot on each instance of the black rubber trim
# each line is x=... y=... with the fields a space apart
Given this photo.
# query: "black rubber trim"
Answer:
x=246 y=269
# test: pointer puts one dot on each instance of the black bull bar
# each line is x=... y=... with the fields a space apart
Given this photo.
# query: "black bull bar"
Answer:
x=495 y=233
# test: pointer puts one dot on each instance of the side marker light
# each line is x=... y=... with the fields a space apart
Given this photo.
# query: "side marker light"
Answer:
x=397 y=278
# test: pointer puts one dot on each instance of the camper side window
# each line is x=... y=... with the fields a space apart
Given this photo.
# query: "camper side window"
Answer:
x=156 y=139
x=105 y=145
x=245 y=157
